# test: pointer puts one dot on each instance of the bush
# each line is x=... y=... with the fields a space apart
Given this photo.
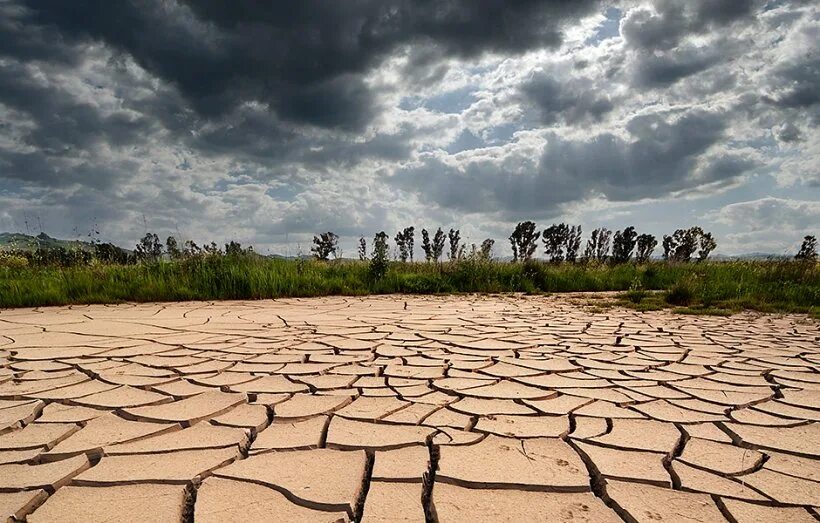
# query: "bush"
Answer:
x=680 y=294
x=636 y=293
x=13 y=261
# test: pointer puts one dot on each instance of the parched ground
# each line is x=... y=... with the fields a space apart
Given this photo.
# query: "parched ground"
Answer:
x=404 y=408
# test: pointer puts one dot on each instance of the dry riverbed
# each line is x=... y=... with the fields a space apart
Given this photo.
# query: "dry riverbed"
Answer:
x=468 y=408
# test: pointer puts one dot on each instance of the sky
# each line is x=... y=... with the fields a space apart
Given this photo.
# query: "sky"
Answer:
x=268 y=122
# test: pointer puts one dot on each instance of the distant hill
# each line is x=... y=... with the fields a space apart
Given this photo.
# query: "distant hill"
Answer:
x=754 y=256
x=16 y=240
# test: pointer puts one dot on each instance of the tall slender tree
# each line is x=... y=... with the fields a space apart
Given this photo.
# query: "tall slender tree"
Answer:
x=486 y=251
x=172 y=248
x=573 y=243
x=379 y=261
x=555 y=239
x=456 y=247
x=149 y=248
x=426 y=246
x=409 y=233
x=598 y=244
x=362 y=249
x=524 y=241
x=623 y=244
x=438 y=244
x=401 y=245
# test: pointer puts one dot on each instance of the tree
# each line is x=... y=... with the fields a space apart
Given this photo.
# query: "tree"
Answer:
x=707 y=245
x=623 y=244
x=404 y=243
x=598 y=244
x=110 y=253
x=486 y=251
x=555 y=239
x=456 y=247
x=409 y=234
x=149 y=249
x=212 y=249
x=438 y=244
x=233 y=249
x=324 y=245
x=362 y=249
x=191 y=249
x=172 y=248
x=669 y=246
x=426 y=246
x=524 y=241
x=401 y=245
x=573 y=243
x=685 y=242
x=433 y=249
x=808 y=250
x=646 y=244
x=379 y=263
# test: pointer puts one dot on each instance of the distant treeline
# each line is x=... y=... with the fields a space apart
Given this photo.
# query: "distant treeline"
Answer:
x=561 y=243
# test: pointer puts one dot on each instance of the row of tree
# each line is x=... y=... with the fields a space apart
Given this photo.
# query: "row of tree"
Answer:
x=150 y=249
x=561 y=242
x=327 y=244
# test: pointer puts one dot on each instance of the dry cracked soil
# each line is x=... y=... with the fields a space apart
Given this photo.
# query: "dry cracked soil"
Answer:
x=394 y=408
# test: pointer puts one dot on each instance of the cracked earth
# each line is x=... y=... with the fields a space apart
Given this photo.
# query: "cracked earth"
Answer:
x=406 y=409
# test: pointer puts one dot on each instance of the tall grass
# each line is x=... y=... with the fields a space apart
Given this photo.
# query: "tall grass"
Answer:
x=766 y=286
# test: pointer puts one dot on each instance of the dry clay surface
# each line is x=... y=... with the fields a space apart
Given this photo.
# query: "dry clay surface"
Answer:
x=491 y=408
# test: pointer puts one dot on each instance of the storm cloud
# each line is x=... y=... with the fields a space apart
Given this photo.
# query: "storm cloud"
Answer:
x=267 y=122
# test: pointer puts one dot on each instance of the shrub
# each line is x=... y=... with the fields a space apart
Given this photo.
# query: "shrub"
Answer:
x=680 y=294
x=636 y=293
x=13 y=261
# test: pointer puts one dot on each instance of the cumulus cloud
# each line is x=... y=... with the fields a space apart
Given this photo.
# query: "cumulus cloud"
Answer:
x=266 y=124
x=768 y=224
x=770 y=213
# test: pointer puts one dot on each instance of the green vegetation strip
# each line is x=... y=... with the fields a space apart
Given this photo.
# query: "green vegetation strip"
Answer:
x=706 y=287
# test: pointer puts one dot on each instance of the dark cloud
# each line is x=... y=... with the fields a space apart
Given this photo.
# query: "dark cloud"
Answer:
x=269 y=118
x=662 y=70
x=306 y=59
x=568 y=102
x=63 y=124
x=672 y=20
x=660 y=157
x=796 y=85
x=55 y=147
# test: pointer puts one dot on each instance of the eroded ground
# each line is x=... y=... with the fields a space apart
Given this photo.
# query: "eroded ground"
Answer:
x=406 y=408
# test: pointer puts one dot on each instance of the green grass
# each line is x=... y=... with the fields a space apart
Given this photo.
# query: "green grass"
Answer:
x=717 y=287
